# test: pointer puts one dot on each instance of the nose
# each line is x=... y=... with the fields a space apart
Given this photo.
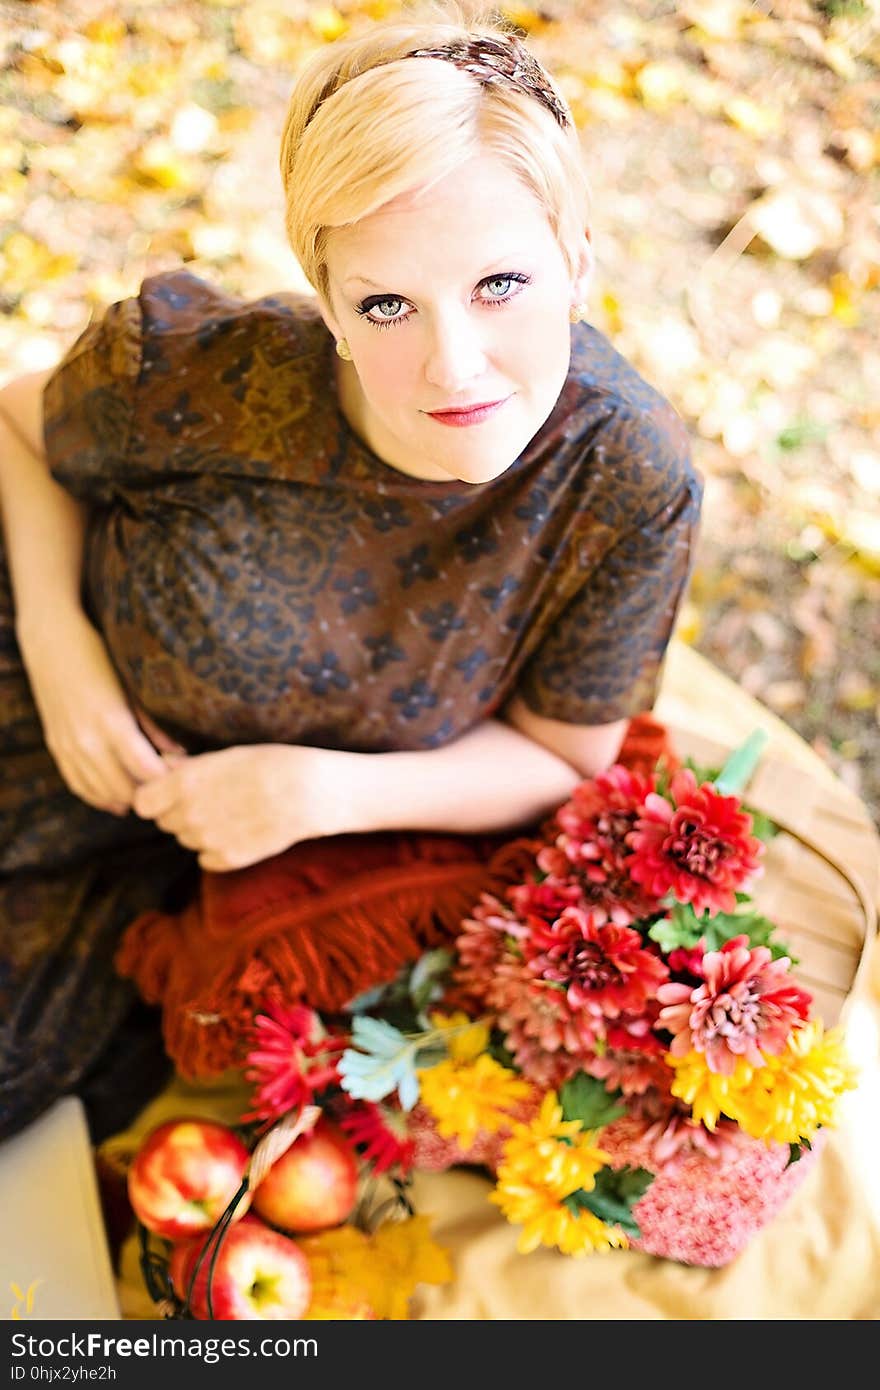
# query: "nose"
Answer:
x=455 y=353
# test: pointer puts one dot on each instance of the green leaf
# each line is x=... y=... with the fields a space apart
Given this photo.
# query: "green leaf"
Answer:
x=683 y=928
x=368 y=1077
x=616 y=1192
x=763 y=828
x=741 y=764
x=680 y=929
x=802 y=431
x=585 y=1098
x=375 y=1036
x=498 y=1052
x=363 y=1003
x=427 y=977
x=796 y=1151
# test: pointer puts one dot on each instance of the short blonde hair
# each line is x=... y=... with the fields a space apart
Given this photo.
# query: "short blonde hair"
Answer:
x=365 y=125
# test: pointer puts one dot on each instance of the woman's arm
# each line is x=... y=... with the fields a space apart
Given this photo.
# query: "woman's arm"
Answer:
x=89 y=727
x=492 y=778
x=247 y=803
x=240 y=805
x=43 y=524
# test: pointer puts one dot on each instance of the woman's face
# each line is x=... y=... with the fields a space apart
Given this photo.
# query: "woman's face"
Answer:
x=452 y=297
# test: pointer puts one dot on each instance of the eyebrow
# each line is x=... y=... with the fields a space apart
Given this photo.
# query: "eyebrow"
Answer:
x=496 y=261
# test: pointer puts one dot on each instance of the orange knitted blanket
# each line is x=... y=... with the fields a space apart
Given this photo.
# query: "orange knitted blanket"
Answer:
x=322 y=922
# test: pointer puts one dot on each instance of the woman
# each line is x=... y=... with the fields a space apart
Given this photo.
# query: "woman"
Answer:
x=406 y=554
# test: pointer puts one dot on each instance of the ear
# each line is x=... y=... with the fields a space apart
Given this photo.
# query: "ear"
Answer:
x=586 y=263
x=329 y=318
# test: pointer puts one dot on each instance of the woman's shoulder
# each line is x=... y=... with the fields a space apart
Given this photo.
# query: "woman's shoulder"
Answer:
x=629 y=428
x=187 y=379
x=183 y=313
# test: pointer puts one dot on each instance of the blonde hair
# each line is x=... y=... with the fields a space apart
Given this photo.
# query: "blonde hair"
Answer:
x=364 y=126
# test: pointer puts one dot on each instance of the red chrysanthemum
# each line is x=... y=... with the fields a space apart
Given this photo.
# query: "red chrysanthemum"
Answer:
x=688 y=960
x=380 y=1136
x=545 y=900
x=635 y=1032
x=695 y=846
x=604 y=969
x=593 y=851
x=746 y=1006
x=292 y=1057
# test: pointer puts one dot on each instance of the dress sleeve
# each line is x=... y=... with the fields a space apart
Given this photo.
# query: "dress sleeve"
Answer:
x=89 y=402
x=601 y=659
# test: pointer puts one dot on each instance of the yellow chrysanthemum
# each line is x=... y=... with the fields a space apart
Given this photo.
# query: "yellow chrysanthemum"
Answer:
x=466 y=1097
x=545 y=1221
x=556 y=1154
x=467 y=1040
x=542 y=1162
x=798 y=1092
x=355 y=1275
x=709 y=1093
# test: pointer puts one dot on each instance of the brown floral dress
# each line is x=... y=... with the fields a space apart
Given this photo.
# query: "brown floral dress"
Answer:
x=260 y=575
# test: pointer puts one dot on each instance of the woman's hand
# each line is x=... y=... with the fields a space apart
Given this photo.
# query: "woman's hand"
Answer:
x=102 y=747
x=240 y=805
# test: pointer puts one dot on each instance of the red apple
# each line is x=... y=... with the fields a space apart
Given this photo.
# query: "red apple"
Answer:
x=313 y=1185
x=185 y=1174
x=259 y=1274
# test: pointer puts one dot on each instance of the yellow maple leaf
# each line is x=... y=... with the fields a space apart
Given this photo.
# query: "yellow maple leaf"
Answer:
x=327 y=23
x=751 y=117
x=406 y=1255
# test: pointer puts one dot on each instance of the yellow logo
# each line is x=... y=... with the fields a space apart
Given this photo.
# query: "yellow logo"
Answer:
x=24 y=1303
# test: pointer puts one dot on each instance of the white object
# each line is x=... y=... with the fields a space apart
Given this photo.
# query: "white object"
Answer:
x=54 y=1256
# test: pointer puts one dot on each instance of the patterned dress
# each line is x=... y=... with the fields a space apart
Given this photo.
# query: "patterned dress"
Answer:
x=260 y=575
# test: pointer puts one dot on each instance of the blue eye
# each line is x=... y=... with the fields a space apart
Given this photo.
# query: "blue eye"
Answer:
x=501 y=287
x=387 y=320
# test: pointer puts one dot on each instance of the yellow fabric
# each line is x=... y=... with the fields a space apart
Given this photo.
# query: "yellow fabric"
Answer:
x=819 y=1259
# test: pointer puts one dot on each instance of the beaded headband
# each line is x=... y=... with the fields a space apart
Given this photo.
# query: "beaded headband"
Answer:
x=495 y=60
x=492 y=60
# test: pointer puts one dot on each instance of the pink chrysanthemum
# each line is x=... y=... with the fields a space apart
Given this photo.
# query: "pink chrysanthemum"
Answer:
x=632 y=1073
x=604 y=970
x=593 y=850
x=746 y=1006
x=381 y=1137
x=481 y=944
x=695 y=846
x=292 y=1057
x=676 y=1135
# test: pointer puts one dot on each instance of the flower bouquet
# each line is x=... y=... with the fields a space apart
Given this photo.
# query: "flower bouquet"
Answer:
x=616 y=1038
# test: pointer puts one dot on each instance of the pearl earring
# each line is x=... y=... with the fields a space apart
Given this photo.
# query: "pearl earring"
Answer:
x=343 y=350
x=577 y=313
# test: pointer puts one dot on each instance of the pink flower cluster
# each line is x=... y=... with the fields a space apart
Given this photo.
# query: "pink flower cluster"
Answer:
x=567 y=968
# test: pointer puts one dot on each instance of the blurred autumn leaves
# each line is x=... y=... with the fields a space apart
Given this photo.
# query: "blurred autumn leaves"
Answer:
x=733 y=148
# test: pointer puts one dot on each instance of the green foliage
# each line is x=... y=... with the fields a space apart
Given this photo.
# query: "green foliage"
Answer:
x=383 y=1062
x=585 y=1098
x=683 y=928
x=616 y=1192
x=498 y=1052
x=802 y=431
x=405 y=999
x=796 y=1151
x=741 y=764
